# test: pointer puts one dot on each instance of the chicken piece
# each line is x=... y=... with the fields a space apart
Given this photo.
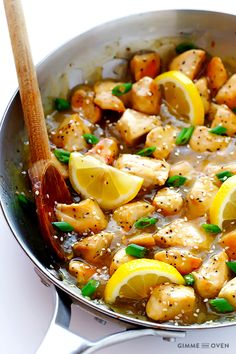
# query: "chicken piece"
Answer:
x=204 y=92
x=228 y=292
x=126 y=215
x=82 y=101
x=84 y=216
x=202 y=141
x=95 y=249
x=171 y=301
x=200 y=197
x=146 y=64
x=133 y=125
x=81 y=271
x=217 y=74
x=145 y=240
x=182 y=168
x=212 y=169
x=104 y=97
x=62 y=167
x=212 y=110
x=227 y=93
x=69 y=134
x=106 y=150
x=154 y=172
x=184 y=261
x=211 y=276
x=182 y=233
x=146 y=96
x=168 y=201
x=189 y=62
x=226 y=118
x=228 y=242
x=163 y=138
x=119 y=258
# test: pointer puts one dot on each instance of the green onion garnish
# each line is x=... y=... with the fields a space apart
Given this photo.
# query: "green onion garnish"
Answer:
x=121 y=89
x=175 y=181
x=184 y=136
x=146 y=151
x=145 y=222
x=219 y=130
x=25 y=202
x=91 y=139
x=63 y=226
x=136 y=250
x=184 y=46
x=189 y=279
x=62 y=155
x=234 y=110
x=224 y=175
x=90 y=288
x=61 y=104
x=211 y=228
x=221 y=305
x=232 y=265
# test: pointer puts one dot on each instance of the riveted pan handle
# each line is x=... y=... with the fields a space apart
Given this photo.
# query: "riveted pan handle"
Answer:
x=61 y=341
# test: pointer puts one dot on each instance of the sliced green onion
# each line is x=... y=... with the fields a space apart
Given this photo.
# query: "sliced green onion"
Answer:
x=25 y=202
x=184 y=136
x=175 y=181
x=233 y=109
x=219 y=130
x=63 y=226
x=224 y=175
x=61 y=104
x=136 y=250
x=90 y=288
x=232 y=266
x=62 y=155
x=211 y=228
x=121 y=89
x=221 y=305
x=91 y=139
x=145 y=222
x=184 y=46
x=146 y=151
x=189 y=279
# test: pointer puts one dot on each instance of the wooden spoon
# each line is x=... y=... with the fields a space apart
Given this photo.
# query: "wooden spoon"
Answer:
x=48 y=184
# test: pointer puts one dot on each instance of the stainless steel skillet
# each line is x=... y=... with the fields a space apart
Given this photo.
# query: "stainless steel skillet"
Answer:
x=66 y=67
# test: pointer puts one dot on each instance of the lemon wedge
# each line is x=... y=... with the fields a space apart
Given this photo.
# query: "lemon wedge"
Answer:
x=135 y=279
x=223 y=207
x=108 y=185
x=182 y=96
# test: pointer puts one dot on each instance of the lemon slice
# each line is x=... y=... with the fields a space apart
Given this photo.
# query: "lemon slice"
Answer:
x=223 y=207
x=135 y=279
x=108 y=185
x=182 y=96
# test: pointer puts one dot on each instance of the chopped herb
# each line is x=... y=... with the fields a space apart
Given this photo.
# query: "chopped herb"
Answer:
x=25 y=202
x=219 y=130
x=121 y=89
x=136 y=250
x=224 y=175
x=62 y=155
x=62 y=226
x=189 y=279
x=146 y=151
x=145 y=222
x=90 y=288
x=61 y=104
x=184 y=136
x=221 y=305
x=175 y=181
x=91 y=139
x=211 y=228
x=234 y=110
x=184 y=46
x=232 y=265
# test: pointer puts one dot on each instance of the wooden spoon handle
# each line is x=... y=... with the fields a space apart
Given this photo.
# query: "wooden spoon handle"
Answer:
x=28 y=83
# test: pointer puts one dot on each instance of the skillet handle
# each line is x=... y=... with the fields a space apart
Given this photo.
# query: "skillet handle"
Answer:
x=60 y=340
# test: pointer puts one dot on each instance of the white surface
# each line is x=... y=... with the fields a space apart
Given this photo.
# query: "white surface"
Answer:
x=25 y=304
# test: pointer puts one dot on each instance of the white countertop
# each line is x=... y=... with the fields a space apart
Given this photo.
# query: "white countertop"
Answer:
x=26 y=305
